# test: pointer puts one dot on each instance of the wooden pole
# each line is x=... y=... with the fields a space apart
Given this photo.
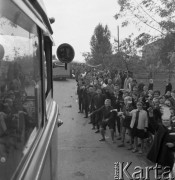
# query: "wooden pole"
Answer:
x=118 y=38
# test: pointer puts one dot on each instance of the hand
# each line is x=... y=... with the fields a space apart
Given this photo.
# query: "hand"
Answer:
x=106 y=120
x=120 y=113
x=114 y=110
x=3 y=115
x=89 y=115
x=170 y=145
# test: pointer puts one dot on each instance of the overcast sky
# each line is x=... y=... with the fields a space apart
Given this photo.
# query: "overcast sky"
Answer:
x=75 y=21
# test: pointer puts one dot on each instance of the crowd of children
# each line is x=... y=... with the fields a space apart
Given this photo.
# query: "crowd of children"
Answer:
x=130 y=109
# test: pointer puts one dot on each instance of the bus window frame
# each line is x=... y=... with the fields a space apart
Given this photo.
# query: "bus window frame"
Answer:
x=41 y=47
x=48 y=55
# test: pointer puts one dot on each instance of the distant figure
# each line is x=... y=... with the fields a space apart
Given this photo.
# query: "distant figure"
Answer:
x=150 y=85
x=140 y=87
x=168 y=86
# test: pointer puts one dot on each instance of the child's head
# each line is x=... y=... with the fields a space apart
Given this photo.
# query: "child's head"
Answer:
x=99 y=91
x=166 y=122
x=145 y=88
x=107 y=102
x=162 y=99
x=172 y=110
x=156 y=94
x=91 y=89
x=167 y=103
x=116 y=87
x=128 y=100
x=139 y=105
x=156 y=102
x=168 y=94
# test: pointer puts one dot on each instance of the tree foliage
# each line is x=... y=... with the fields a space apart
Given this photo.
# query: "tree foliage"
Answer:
x=87 y=57
x=168 y=48
x=158 y=15
x=101 y=47
x=127 y=46
x=142 y=39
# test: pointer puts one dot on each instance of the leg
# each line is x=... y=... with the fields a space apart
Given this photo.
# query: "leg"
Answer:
x=123 y=137
x=80 y=105
x=130 y=139
x=112 y=135
x=93 y=121
x=142 y=145
x=135 y=145
x=86 y=110
x=102 y=130
x=118 y=125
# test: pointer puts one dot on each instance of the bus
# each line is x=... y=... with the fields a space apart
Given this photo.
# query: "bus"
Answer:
x=29 y=116
x=60 y=71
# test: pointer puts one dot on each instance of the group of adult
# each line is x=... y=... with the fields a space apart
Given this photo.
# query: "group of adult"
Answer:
x=132 y=109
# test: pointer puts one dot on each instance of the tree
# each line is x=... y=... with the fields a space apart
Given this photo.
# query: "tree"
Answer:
x=157 y=15
x=168 y=47
x=87 y=57
x=101 y=47
x=142 y=39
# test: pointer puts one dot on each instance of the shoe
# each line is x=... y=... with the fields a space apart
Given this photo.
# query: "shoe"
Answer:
x=79 y=111
x=134 y=150
x=121 y=145
x=102 y=139
x=130 y=148
x=85 y=116
x=140 y=152
x=97 y=131
x=90 y=123
x=119 y=138
x=128 y=141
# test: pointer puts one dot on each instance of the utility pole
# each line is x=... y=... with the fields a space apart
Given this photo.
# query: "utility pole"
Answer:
x=118 y=38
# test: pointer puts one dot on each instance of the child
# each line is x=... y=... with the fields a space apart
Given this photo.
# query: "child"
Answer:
x=126 y=121
x=139 y=125
x=163 y=145
x=107 y=119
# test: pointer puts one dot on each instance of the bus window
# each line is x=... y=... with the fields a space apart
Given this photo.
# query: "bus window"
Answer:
x=20 y=89
x=45 y=72
x=48 y=67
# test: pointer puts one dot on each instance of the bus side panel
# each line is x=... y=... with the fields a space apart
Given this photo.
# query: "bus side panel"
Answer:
x=54 y=153
x=46 y=171
x=42 y=164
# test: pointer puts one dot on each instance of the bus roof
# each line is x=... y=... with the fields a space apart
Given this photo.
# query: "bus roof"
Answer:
x=40 y=7
x=36 y=10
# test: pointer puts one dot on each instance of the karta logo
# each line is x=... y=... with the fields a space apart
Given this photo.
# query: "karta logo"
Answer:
x=141 y=173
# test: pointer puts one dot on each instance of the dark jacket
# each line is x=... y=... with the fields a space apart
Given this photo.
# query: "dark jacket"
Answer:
x=168 y=87
x=105 y=113
x=159 y=152
x=98 y=100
